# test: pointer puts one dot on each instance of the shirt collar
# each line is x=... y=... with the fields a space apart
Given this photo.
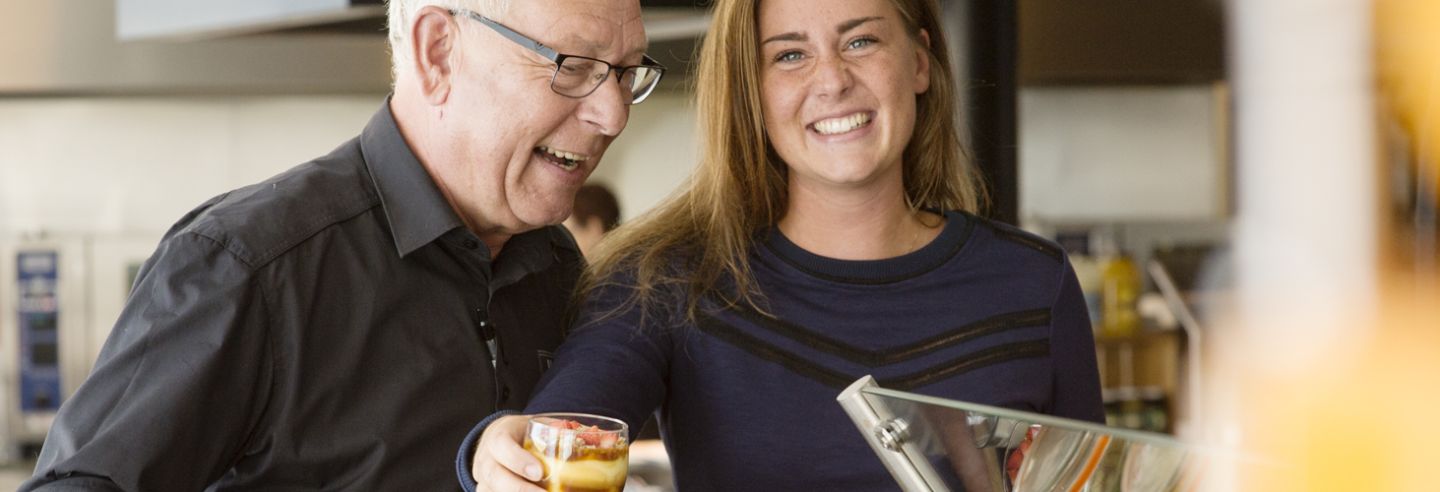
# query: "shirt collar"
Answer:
x=417 y=212
x=531 y=251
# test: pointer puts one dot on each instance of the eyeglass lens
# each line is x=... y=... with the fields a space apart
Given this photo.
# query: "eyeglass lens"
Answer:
x=578 y=77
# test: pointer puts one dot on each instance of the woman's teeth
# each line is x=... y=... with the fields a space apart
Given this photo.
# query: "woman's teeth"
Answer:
x=566 y=160
x=835 y=126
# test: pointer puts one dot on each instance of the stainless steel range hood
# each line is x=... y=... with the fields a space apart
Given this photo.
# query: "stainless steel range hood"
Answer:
x=71 y=47
x=198 y=19
x=673 y=26
x=130 y=47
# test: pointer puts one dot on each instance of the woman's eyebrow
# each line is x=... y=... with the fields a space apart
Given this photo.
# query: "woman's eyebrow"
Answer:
x=854 y=23
x=789 y=36
x=841 y=29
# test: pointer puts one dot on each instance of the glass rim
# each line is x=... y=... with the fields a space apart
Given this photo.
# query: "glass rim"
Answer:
x=562 y=415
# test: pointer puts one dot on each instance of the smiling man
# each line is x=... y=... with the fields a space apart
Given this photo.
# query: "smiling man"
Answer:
x=342 y=325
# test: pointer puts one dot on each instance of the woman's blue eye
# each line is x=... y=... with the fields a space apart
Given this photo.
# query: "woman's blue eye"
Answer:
x=788 y=56
x=861 y=43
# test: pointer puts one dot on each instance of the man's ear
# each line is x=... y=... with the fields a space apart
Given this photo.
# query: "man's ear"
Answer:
x=434 y=36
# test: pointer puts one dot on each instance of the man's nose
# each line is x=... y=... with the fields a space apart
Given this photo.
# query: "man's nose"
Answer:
x=607 y=109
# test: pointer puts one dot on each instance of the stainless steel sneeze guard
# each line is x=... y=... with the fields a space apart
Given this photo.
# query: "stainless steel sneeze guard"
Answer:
x=932 y=444
x=906 y=463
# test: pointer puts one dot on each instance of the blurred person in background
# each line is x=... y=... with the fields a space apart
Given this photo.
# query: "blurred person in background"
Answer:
x=829 y=233
x=342 y=325
x=596 y=213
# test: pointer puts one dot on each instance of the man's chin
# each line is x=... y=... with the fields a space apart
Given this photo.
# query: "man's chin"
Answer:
x=542 y=218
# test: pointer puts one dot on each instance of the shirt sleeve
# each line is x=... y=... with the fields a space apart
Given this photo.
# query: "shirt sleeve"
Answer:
x=613 y=363
x=178 y=386
x=1076 y=392
x=466 y=457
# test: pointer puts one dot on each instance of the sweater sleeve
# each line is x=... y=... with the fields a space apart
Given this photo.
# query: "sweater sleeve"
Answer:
x=466 y=456
x=613 y=363
x=1076 y=392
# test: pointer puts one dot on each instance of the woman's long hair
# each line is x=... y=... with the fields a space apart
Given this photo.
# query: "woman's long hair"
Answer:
x=697 y=242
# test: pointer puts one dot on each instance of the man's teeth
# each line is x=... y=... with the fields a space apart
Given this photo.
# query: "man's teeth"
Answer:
x=834 y=126
x=571 y=159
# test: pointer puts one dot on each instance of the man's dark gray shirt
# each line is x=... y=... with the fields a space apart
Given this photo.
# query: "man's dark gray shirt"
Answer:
x=323 y=330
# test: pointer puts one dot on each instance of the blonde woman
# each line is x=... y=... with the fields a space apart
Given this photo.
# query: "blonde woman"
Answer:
x=828 y=234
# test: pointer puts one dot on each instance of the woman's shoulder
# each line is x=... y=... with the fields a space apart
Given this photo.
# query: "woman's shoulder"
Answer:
x=640 y=264
x=997 y=240
x=633 y=275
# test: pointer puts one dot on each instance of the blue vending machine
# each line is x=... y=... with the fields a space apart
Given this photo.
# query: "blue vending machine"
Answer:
x=39 y=311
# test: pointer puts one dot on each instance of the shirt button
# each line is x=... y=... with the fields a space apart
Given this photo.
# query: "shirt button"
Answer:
x=504 y=394
x=470 y=244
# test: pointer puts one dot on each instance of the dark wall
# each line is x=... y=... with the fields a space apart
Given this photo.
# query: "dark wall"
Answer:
x=992 y=41
x=1013 y=43
x=1121 y=41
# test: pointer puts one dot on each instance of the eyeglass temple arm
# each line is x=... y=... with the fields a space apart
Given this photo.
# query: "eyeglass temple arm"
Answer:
x=533 y=45
x=648 y=62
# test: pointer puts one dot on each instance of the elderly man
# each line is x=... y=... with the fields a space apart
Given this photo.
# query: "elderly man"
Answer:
x=342 y=326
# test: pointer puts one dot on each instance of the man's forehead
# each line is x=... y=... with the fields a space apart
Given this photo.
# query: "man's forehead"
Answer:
x=584 y=25
x=633 y=44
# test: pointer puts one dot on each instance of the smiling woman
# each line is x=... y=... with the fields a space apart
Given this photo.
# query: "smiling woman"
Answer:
x=839 y=93
x=743 y=161
x=839 y=87
x=829 y=233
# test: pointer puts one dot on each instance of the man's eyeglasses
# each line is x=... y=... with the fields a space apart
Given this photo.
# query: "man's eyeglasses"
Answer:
x=578 y=76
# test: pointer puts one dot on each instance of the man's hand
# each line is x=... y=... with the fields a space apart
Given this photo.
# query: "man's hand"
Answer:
x=501 y=464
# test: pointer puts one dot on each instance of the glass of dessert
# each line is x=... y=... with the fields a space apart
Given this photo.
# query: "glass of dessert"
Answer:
x=580 y=452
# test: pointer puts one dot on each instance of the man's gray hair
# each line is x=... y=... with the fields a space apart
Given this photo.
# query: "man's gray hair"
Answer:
x=402 y=14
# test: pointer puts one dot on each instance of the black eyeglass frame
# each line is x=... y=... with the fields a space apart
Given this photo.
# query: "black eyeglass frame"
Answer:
x=559 y=58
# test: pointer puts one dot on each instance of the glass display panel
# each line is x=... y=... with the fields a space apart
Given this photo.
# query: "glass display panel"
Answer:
x=935 y=444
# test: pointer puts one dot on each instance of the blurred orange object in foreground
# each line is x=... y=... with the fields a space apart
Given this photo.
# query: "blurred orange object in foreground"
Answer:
x=1363 y=417
x=1407 y=50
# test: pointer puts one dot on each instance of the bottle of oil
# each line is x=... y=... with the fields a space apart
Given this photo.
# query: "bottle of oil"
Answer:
x=1120 y=290
x=1078 y=246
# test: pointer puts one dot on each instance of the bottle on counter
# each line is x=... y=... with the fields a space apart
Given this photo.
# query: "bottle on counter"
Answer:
x=1120 y=291
x=1087 y=270
x=1154 y=409
x=1112 y=406
x=1132 y=409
